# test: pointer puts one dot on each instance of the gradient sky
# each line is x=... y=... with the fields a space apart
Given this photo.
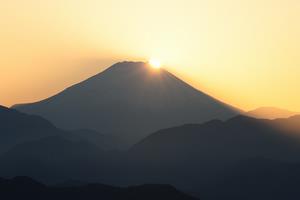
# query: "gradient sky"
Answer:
x=244 y=52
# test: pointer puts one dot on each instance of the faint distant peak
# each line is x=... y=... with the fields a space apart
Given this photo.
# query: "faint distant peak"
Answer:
x=268 y=112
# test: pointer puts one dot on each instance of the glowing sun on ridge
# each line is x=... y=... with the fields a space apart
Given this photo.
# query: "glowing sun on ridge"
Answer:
x=155 y=63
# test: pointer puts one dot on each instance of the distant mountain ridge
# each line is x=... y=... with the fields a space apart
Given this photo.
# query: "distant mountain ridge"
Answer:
x=192 y=157
x=17 y=127
x=130 y=100
x=271 y=113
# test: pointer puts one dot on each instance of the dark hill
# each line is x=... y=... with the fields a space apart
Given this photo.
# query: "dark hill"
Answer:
x=26 y=188
x=17 y=127
x=196 y=155
x=219 y=141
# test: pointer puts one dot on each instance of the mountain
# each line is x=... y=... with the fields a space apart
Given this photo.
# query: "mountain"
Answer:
x=27 y=188
x=290 y=125
x=270 y=113
x=54 y=158
x=194 y=156
x=258 y=179
x=205 y=160
x=106 y=142
x=238 y=137
x=129 y=100
x=17 y=127
x=223 y=141
x=31 y=145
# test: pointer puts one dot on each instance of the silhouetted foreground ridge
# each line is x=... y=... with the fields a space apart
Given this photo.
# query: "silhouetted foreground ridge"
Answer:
x=27 y=188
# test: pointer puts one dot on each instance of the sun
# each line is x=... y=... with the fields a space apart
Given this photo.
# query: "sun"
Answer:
x=155 y=63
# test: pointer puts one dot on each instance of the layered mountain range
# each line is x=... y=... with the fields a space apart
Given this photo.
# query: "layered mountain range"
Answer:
x=196 y=158
x=173 y=134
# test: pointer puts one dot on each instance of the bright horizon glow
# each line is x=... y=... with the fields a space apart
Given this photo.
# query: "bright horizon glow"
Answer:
x=155 y=63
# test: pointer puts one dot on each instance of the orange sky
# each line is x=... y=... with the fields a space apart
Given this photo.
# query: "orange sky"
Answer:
x=244 y=52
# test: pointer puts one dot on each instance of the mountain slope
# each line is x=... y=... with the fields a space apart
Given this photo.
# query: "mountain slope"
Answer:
x=236 y=138
x=195 y=155
x=53 y=158
x=290 y=125
x=271 y=113
x=195 y=158
x=258 y=179
x=131 y=100
x=17 y=127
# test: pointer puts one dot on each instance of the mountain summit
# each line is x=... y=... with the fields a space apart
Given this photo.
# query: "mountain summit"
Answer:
x=129 y=100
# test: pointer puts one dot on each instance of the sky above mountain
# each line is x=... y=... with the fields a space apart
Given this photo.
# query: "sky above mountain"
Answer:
x=245 y=53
